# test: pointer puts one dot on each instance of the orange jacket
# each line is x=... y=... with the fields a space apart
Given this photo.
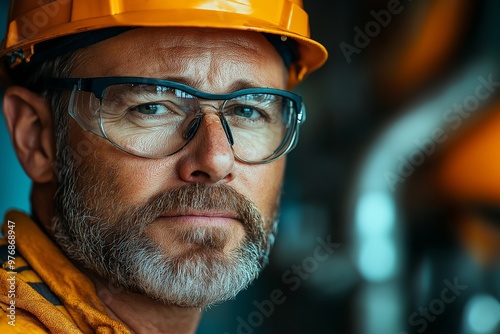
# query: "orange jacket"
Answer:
x=41 y=291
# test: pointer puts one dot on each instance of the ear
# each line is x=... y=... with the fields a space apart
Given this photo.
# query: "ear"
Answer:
x=31 y=126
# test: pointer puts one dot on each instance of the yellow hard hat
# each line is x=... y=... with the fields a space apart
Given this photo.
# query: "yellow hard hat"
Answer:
x=32 y=22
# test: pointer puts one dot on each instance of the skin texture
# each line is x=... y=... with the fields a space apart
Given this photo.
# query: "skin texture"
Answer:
x=211 y=61
x=214 y=61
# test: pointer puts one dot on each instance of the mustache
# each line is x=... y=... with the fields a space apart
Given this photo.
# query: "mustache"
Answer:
x=196 y=197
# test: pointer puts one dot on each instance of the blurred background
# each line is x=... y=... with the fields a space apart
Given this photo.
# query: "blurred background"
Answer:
x=390 y=219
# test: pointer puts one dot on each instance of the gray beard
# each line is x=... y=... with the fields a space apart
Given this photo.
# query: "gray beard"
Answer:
x=110 y=241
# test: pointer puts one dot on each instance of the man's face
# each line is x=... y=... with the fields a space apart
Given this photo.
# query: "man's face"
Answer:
x=190 y=229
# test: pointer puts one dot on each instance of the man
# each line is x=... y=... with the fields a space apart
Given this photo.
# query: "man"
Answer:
x=155 y=133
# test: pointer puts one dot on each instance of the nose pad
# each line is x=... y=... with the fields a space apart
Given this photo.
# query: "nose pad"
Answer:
x=192 y=128
x=195 y=124
x=227 y=129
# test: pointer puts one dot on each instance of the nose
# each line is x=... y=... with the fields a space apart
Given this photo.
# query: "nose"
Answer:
x=208 y=158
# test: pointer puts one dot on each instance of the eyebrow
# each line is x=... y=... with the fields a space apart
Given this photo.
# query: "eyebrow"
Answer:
x=196 y=83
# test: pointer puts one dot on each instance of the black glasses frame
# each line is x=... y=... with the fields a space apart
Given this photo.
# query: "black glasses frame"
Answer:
x=98 y=86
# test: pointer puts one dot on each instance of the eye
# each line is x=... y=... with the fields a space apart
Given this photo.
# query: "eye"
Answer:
x=246 y=111
x=151 y=109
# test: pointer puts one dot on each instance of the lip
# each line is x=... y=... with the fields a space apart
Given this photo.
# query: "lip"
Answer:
x=201 y=214
x=201 y=218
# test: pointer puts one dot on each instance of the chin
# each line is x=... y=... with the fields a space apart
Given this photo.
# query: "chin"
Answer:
x=180 y=239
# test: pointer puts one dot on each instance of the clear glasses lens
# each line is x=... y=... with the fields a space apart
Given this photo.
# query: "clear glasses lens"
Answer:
x=147 y=120
x=259 y=124
x=154 y=121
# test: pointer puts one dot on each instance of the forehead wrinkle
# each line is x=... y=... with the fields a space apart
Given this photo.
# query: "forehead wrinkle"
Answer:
x=243 y=62
x=208 y=57
x=166 y=64
x=191 y=53
x=194 y=37
x=200 y=68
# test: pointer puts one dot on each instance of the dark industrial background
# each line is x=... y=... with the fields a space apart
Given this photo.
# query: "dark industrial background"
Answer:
x=390 y=219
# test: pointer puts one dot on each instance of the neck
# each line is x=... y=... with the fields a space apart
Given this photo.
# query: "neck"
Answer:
x=42 y=204
x=145 y=315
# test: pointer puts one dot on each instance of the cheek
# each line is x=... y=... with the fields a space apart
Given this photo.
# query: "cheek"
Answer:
x=262 y=184
x=132 y=181
x=140 y=179
x=129 y=180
